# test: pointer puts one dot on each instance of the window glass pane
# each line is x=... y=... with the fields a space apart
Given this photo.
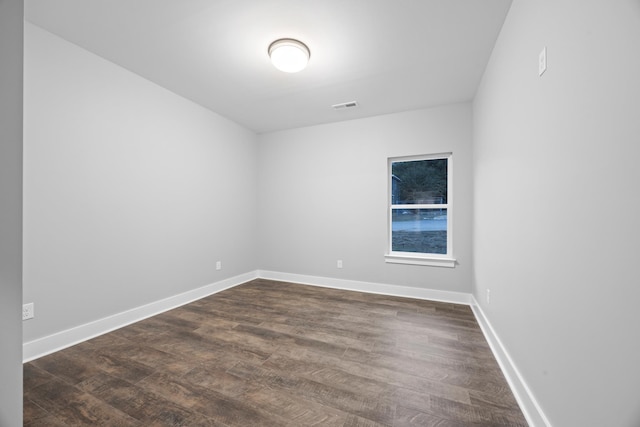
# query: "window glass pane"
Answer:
x=419 y=182
x=419 y=230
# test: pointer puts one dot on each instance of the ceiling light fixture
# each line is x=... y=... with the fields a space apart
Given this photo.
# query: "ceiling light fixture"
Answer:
x=289 y=55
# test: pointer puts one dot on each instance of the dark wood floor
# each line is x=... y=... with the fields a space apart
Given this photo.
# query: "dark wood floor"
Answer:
x=279 y=354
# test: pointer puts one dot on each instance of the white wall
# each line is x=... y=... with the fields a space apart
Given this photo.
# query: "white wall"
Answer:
x=557 y=204
x=11 y=47
x=131 y=193
x=323 y=194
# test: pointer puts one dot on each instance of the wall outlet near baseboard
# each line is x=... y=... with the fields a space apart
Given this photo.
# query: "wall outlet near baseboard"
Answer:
x=339 y=263
x=488 y=296
x=27 y=311
x=218 y=265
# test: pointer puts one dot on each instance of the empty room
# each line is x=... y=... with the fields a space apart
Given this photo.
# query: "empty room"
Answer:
x=427 y=215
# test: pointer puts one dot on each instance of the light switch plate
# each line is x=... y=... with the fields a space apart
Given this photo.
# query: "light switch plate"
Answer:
x=542 y=61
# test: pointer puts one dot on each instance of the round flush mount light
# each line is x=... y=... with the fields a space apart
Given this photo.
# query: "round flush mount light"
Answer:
x=289 y=55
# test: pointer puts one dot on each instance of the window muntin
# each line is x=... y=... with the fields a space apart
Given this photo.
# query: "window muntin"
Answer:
x=420 y=206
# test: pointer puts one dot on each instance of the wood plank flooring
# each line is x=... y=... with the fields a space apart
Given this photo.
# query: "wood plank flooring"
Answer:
x=270 y=353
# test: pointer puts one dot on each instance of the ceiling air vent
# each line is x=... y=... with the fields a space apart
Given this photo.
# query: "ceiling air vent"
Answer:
x=344 y=105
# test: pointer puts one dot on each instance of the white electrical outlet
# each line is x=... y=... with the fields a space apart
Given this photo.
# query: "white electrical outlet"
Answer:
x=488 y=296
x=542 y=61
x=218 y=265
x=339 y=264
x=27 y=311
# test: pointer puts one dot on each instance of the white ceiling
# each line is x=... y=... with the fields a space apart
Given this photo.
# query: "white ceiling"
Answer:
x=389 y=55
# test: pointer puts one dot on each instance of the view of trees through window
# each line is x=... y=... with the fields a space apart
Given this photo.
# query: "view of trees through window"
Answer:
x=419 y=204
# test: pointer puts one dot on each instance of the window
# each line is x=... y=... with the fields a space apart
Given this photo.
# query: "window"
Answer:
x=420 y=210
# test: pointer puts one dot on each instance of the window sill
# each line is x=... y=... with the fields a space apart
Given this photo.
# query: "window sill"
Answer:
x=420 y=260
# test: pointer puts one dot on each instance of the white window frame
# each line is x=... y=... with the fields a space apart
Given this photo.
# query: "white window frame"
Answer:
x=416 y=258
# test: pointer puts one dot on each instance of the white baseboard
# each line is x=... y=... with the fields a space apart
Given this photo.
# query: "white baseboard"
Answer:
x=60 y=340
x=46 y=345
x=531 y=409
x=372 y=288
x=528 y=403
